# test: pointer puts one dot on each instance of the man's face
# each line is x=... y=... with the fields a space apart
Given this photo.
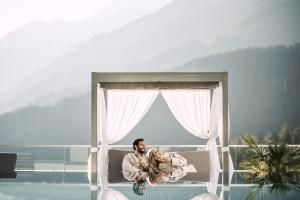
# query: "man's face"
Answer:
x=140 y=147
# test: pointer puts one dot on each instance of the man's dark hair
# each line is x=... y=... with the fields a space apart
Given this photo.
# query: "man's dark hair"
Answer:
x=136 y=142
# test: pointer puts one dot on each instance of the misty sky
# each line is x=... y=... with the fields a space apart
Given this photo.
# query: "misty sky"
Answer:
x=15 y=13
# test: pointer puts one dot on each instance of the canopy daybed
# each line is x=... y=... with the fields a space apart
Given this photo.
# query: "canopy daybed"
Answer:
x=199 y=101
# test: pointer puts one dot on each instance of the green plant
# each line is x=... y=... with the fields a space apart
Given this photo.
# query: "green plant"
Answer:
x=272 y=163
x=275 y=165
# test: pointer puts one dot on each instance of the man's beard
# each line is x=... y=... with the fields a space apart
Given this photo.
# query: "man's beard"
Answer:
x=141 y=151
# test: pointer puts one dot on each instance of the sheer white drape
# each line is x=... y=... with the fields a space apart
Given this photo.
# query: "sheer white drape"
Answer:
x=119 y=111
x=214 y=122
x=192 y=108
x=217 y=116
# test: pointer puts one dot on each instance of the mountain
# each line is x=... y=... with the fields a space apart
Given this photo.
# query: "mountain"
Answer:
x=263 y=94
x=32 y=47
x=66 y=122
x=263 y=86
x=256 y=24
x=172 y=56
x=36 y=45
x=266 y=23
x=158 y=41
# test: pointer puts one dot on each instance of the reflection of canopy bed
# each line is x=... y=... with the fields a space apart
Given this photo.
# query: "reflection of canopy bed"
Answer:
x=199 y=101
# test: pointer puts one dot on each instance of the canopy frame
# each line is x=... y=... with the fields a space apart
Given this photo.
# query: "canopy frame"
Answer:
x=159 y=80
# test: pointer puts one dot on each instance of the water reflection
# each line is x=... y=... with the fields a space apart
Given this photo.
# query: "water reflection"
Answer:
x=271 y=192
x=111 y=194
x=273 y=169
x=276 y=185
x=119 y=193
x=139 y=187
x=206 y=197
x=287 y=189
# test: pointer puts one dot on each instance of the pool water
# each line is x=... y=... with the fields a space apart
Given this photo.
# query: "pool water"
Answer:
x=61 y=173
x=75 y=186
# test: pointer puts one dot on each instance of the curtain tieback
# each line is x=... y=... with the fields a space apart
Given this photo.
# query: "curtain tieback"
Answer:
x=103 y=165
x=104 y=146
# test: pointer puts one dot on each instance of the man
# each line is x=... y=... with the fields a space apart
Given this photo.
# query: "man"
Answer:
x=135 y=165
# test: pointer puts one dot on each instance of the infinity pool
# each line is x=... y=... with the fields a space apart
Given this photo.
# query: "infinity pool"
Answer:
x=75 y=186
x=61 y=173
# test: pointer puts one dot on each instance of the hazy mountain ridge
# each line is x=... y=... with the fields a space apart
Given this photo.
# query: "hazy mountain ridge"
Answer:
x=66 y=122
x=144 y=45
x=269 y=25
x=263 y=88
x=36 y=45
x=262 y=82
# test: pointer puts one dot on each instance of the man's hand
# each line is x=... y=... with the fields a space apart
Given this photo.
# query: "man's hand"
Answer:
x=146 y=169
x=144 y=165
x=158 y=177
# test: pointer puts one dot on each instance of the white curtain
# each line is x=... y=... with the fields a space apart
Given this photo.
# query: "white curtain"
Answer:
x=119 y=111
x=217 y=121
x=192 y=108
x=111 y=194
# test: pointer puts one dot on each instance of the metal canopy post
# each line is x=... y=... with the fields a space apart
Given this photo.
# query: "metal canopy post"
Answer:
x=225 y=147
x=94 y=147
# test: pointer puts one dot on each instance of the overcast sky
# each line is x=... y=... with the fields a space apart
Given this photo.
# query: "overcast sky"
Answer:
x=15 y=13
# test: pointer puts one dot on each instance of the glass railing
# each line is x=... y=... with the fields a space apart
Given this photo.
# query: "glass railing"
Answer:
x=49 y=163
x=62 y=170
x=69 y=163
x=49 y=157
